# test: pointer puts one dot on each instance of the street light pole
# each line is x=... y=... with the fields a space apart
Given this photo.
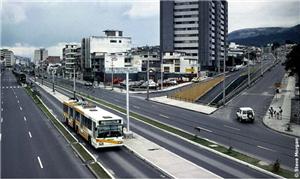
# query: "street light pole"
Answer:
x=53 y=81
x=261 y=61
x=224 y=66
x=112 y=72
x=248 y=68
x=161 y=71
x=148 y=77
x=127 y=99
x=74 y=83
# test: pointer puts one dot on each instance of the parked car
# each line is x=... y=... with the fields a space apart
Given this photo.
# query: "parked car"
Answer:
x=152 y=84
x=88 y=84
x=245 y=114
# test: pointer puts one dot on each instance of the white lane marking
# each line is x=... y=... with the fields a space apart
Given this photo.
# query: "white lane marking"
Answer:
x=163 y=116
x=136 y=107
x=232 y=128
x=29 y=133
x=1 y=109
x=201 y=128
x=41 y=165
x=24 y=118
x=0 y=136
x=1 y=119
x=18 y=101
x=265 y=148
x=20 y=108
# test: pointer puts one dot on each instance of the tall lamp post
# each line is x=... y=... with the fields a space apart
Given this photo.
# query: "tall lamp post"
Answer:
x=53 y=89
x=224 y=66
x=74 y=82
x=148 y=77
x=249 y=80
x=114 y=58
x=161 y=71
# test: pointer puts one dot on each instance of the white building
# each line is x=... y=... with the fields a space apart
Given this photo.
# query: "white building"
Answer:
x=9 y=58
x=111 y=45
x=177 y=62
x=40 y=55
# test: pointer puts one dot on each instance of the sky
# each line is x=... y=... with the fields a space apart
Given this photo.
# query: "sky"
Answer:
x=30 y=24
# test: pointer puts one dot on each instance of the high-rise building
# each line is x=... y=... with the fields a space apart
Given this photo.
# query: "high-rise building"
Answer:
x=39 y=56
x=8 y=56
x=197 y=28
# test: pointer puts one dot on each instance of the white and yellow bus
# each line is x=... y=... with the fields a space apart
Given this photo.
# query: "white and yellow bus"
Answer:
x=98 y=126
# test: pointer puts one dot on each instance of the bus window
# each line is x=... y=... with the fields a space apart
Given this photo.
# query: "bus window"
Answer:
x=65 y=108
x=77 y=115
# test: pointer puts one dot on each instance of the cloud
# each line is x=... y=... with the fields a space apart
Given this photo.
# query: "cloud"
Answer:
x=13 y=13
x=143 y=9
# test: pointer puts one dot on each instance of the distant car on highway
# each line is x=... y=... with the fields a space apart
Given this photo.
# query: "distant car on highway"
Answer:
x=245 y=114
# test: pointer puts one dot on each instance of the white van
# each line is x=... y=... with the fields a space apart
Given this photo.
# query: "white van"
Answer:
x=245 y=114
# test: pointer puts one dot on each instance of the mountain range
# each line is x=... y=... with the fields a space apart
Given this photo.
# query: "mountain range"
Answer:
x=264 y=35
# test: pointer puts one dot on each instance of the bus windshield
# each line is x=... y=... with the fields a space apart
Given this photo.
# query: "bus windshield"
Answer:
x=114 y=130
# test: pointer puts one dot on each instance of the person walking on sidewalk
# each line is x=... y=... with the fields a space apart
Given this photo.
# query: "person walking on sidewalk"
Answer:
x=280 y=112
x=271 y=112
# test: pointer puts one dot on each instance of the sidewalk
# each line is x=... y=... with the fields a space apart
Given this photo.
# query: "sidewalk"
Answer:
x=159 y=157
x=184 y=105
x=283 y=100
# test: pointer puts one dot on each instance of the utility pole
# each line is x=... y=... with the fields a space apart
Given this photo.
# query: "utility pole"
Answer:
x=248 y=68
x=261 y=61
x=53 y=81
x=161 y=71
x=74 y=83
x=127 y=99
x=224 y=85
x=148 y=76
x=42 y=76
x=112 y=72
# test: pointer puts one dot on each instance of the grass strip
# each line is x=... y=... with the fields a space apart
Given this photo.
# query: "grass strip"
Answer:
x=100 y=172
x=86 y=157
x=230 y=152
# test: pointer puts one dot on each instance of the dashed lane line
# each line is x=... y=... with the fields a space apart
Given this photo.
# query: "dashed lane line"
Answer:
x=265 y=148
x=161 y=115
x=21 y=108
x=25 y=118
x=29 y=133
x=232 y=128
x=40 y=162
x=204 y=129
x=136 y=107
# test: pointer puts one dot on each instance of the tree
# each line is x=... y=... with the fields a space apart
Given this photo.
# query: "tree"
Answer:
x=275 y=45
x=292 y=63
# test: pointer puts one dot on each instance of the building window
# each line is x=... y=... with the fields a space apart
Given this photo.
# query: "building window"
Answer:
x=177 y=69
x=166 y=69
x=113 y=41
x=120 y=41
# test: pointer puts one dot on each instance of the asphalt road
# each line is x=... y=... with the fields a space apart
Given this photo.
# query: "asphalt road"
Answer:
x=232 y=76
x=119 y=161
x=30 y=146
x=255 y=140
x=219 y=165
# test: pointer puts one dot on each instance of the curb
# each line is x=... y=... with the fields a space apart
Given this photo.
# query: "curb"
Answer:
x=149 y=162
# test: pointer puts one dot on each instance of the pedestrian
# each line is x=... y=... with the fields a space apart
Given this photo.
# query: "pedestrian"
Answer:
x=274 y=114
x=280 y=112
x=271 y=112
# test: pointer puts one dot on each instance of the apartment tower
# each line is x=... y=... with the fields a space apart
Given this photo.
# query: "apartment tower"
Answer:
x=197 y=28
